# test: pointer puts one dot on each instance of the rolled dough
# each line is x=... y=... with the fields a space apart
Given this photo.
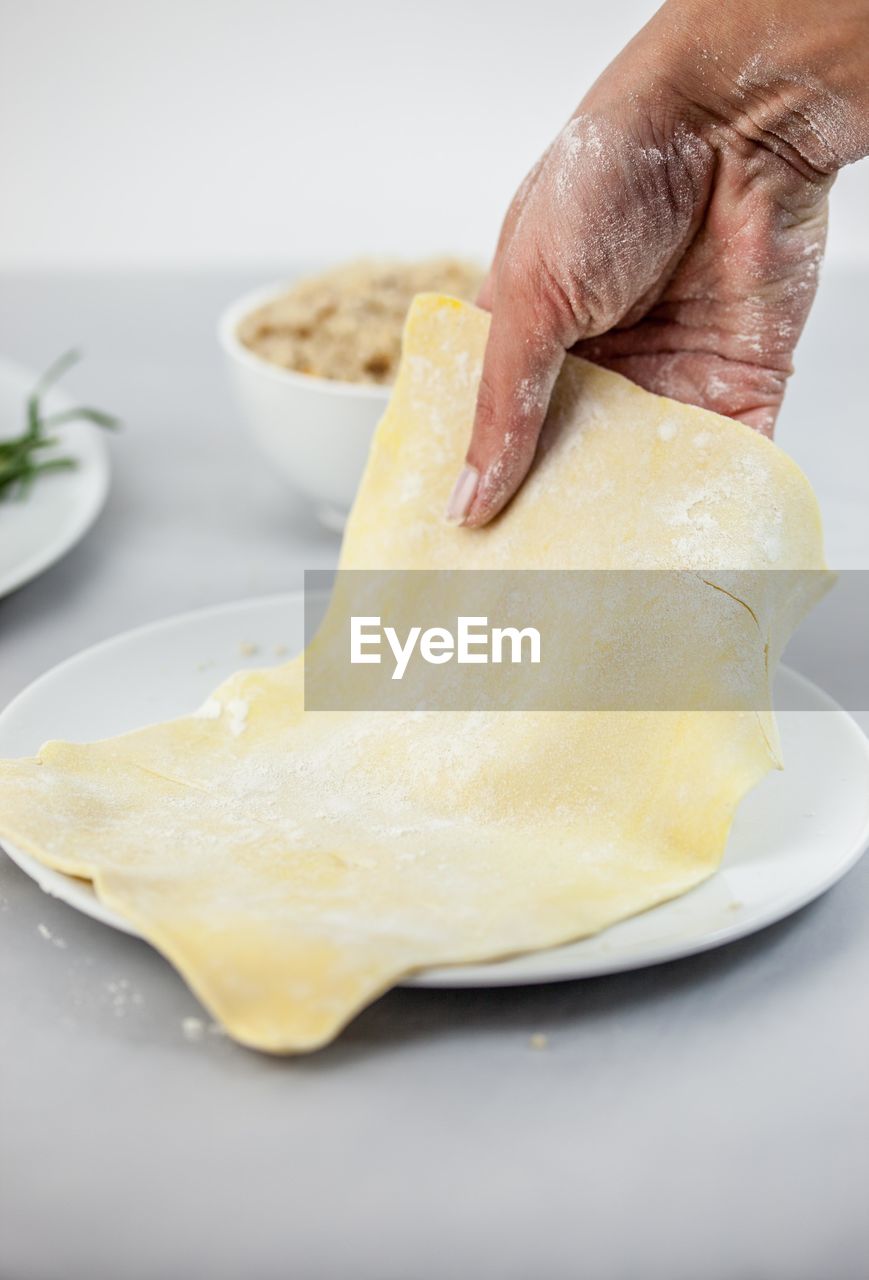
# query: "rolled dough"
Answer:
x=295 y=865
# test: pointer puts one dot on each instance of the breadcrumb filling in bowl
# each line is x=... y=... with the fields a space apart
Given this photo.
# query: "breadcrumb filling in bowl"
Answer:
x=346 y=324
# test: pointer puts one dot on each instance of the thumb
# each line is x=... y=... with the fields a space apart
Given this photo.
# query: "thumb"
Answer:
x=519 y=371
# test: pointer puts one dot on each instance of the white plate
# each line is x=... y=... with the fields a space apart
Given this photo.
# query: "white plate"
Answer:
x=60 y=507
x=794 y=836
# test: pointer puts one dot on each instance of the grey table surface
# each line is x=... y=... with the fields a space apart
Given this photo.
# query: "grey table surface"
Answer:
x=705 y=1117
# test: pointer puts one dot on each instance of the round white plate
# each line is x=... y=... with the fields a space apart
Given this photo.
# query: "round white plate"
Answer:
x=60 y=507
x=794 y=836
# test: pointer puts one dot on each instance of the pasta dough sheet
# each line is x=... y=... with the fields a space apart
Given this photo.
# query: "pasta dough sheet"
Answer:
x=295 y=865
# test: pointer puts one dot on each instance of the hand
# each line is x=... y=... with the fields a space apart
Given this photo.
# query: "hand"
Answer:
x=674 y=229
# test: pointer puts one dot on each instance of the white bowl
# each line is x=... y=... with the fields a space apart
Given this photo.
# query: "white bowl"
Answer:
x=316 y=431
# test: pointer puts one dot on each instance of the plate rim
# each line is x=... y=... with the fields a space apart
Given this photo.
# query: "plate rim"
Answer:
x=98 y=467
x=467 y=975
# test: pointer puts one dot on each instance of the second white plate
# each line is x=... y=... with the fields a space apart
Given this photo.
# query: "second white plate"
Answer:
x=794 y=836
x=59 y=510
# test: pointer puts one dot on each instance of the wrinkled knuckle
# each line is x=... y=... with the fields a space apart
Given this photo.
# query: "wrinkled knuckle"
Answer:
x=487 y=403
x=569 y=302
x=532 y=286
x=518 y=281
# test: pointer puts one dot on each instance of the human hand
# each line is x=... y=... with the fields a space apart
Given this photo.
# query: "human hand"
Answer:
x=674 y=229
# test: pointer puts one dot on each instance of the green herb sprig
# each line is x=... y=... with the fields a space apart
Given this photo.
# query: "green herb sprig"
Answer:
x=22 y=459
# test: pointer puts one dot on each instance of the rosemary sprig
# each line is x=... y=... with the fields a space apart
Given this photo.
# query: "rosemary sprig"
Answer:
x=22 y=459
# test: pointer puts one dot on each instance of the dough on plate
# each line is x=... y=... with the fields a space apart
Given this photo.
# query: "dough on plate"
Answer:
x=294 y=865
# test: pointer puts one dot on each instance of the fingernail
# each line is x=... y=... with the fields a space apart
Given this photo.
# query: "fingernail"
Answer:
x=462 y=495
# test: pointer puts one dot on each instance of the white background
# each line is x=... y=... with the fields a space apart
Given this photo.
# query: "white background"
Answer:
x=214 y=132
